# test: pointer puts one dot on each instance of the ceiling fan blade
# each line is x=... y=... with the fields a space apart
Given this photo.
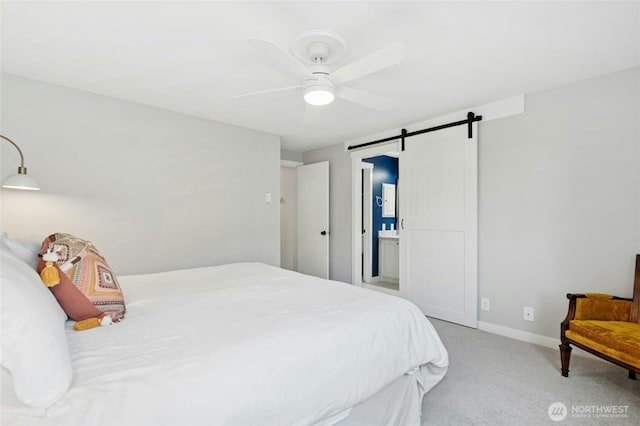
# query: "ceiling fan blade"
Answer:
x=268 y=91
x=281 y=57
x=368 y=99
x=376 y=61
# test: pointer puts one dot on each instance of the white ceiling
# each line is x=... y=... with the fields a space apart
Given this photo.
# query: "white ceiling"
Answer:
x=192 y=57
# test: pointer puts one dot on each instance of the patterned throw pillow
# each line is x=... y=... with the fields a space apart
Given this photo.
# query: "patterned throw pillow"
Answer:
x=89 y=272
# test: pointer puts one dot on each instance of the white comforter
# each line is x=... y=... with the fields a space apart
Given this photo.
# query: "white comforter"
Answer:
x=243 y=344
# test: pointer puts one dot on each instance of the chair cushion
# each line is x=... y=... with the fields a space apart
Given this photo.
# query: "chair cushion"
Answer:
x=598 y=308
x=618 y=339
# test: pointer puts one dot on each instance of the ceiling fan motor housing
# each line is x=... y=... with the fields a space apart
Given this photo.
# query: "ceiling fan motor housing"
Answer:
x=319 y=47
x=318 y=52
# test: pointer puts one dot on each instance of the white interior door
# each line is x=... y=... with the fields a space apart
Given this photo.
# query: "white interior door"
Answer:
x=439 y=217
x=313 y=219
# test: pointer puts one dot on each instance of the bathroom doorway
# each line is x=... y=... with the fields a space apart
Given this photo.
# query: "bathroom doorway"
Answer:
x=380 y=237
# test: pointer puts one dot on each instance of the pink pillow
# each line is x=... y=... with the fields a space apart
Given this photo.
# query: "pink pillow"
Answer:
x=86 y=279
x=73 y=301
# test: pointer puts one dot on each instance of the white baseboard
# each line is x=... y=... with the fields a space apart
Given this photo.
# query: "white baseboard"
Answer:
x=525 y=336
x=519 y=334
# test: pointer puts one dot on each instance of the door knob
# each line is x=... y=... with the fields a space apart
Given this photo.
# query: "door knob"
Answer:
x=323 y=233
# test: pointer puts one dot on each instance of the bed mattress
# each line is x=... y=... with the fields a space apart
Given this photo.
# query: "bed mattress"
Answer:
x=242 y=344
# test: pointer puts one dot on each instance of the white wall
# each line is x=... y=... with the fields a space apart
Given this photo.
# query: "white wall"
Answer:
x=559 y=201
x=153 y=189
x=288 y=218
x=290 y=155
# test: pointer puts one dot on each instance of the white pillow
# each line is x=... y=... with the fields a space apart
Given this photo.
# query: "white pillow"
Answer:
x=33 y=345
x=10 y=404
x=25 y=249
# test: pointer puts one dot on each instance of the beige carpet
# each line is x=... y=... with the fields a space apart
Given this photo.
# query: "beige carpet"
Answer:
x=494 y=380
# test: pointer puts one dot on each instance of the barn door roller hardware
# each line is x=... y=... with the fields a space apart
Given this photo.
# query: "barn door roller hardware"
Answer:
x=471 y=118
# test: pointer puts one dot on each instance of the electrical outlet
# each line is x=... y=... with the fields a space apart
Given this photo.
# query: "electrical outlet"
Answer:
x=485 y=304
x=528 y=313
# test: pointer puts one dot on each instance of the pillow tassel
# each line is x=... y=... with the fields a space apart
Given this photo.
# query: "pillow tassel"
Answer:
x=92 y=322
x=86 y=324
x=49 y=275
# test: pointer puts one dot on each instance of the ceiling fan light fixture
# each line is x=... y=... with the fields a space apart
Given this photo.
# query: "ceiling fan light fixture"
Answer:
x=308 y=59
x=319 y=90
x=319 y=95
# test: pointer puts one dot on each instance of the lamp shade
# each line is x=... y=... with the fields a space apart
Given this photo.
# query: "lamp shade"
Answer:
x=21 y=181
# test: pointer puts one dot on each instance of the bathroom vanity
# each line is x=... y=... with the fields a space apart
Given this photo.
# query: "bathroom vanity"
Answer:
x=388 y=256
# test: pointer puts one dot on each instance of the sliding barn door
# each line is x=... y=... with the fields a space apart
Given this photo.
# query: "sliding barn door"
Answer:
x=438 y=219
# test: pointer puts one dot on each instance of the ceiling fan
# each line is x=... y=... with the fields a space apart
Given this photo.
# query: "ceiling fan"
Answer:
x=313 y=51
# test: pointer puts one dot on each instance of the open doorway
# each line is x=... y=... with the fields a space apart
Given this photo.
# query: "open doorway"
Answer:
x=380 y=237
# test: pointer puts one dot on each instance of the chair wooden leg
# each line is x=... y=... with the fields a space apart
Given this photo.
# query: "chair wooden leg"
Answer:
x=632 y=375
x=565 y=356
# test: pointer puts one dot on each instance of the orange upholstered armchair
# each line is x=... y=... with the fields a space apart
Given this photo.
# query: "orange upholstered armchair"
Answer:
x=607 y=326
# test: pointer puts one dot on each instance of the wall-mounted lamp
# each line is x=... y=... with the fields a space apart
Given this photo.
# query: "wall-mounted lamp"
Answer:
x=19 y=180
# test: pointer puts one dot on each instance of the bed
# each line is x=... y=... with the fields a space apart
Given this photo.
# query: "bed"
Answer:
x=244 y=344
